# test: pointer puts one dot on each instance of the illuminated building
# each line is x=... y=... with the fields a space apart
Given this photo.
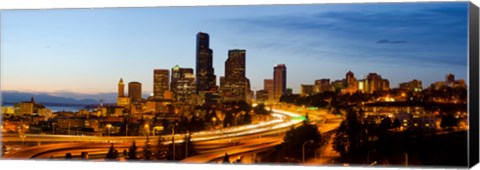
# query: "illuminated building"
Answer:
x=351 y=83
x=205 y=78
x=122 y=100
x=306 y=89
x=268 y=86
x=135 y=91
x=26 y=107
x=121 y=88
x=414 y=85
x=449 y=79
x=279 y=81
x=183 y=83
x=262 y=96
x=235 y=86
x=160 y=82
x=322 y=85
x=372 y=83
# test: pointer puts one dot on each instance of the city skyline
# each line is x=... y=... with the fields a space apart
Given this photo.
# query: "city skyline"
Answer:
x=428 y=62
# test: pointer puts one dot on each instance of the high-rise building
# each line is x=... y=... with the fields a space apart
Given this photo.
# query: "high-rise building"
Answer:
x=234 y=85
x=372 y=83
x=183 y=83
x=279 y=81
x=122 y=100
x=160 y=82
x=262 y=96
x=204 y=72
x=135 y=91
x=449 y=79
x=351 y=83
x=322 y=85
x=306 y=89
x=121 y=88
x=414 y=85
x=268 y=86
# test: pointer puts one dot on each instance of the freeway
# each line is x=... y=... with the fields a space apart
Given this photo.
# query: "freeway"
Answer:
x=280 y=124
x=210 y=144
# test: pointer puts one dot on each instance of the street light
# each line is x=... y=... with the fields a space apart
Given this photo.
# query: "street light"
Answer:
x=406 y=159
x=303 y=149
x=368 y=155
x=108 y=127
x=147 y=129
x=186 y=144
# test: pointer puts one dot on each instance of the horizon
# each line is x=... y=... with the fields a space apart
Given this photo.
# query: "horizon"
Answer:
x=423 y=41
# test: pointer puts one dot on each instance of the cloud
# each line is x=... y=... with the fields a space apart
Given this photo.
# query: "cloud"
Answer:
x=386 y=41
x=427 y=34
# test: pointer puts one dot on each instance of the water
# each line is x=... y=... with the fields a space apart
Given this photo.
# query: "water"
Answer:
x=57 y=108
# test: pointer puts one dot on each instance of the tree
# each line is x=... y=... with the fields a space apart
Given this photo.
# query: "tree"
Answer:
x=112 y=153
x=161 y=150
x=260 y=109
x=4 y=149
x=448 y=121
x=396 y=123
x=147 y=150
x=132 y=152
x=226 y=158
x=296 y=137
x=386 y=123
x=229 y=119
x=68 y=155
x=340 y=141
x=351 y=136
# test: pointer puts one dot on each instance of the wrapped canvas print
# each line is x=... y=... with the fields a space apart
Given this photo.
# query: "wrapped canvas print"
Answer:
x=355 y=84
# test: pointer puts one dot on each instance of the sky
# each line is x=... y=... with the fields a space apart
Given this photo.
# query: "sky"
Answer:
x=89 y=50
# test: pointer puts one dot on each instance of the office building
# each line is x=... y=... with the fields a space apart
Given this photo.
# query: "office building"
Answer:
x=235 y=86
x=135 y=91
x=160 y=82
x=279 y=81
x=269 y=87
x=183 y=83
x=205 y=78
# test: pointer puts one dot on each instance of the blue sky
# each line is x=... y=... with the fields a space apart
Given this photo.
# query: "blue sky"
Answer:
x=89 y=50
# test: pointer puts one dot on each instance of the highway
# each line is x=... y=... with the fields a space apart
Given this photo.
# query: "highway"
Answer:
x=209 y=144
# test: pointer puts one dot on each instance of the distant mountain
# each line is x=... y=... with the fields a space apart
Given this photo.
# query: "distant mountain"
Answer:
x=15 y=97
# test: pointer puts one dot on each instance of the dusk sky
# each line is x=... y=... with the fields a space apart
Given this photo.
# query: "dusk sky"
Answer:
x=89 y=50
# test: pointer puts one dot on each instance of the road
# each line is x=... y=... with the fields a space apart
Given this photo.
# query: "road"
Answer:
x=282 y=122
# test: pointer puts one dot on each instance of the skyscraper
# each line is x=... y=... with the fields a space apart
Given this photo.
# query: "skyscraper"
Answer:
x=204 y=72
x=121 y=88
x=135 y=91
x=268 y=86
x=235 y=85
x=160 y=82
x=182 y=84
x=279 y=81
x=122 y=100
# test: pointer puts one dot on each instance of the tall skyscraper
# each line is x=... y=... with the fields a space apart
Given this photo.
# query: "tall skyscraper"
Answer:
x=279 y=81
x=122 y=100
x=182 y=84
x=235 y=85
x=160 y=82
x=135 y=91
x=204 y=72
x=268 y=86
x=121 y=88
